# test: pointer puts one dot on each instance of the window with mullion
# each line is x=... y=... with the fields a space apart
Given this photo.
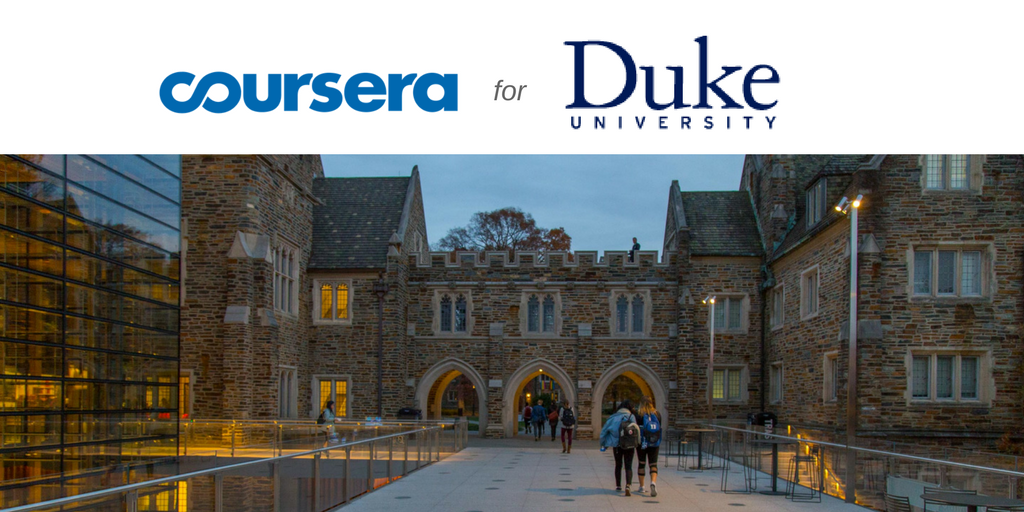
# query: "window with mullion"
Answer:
x=947 y=172
x=945 y=377
x=947 y=273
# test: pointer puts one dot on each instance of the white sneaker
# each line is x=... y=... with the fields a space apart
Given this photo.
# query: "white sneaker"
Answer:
x=654 y=490
x=640 y=489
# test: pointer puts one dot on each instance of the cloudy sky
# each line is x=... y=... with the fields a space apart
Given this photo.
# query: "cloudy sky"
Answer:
x=601 y=200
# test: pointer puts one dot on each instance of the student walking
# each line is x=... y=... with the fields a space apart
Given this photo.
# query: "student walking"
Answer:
x=567 y=418
x=527 y=414
x=328 y=419
x=622 y=435
x=650 y=441
x=553 y=421
x=539 y=416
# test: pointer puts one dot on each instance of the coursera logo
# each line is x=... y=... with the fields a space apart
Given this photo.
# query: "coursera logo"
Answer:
x=364 y=92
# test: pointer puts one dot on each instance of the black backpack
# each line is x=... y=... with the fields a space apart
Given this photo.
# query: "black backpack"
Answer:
x=629 y=433
x=320 y=419
x=568 y=418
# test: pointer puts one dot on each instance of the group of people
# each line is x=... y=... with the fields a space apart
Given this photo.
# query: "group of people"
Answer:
x=537 y=416
x=630 y=431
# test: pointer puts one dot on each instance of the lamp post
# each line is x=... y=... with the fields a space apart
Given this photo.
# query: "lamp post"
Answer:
x=381 y=288
x=850 y=208
x=710 y=299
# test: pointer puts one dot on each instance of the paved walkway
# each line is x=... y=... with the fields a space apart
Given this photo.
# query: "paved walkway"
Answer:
x=524 y=475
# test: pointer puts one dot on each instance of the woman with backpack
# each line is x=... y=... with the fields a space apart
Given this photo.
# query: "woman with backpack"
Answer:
x=328 y=418
x=650 y=442
x=567 y=418
x=622 y=434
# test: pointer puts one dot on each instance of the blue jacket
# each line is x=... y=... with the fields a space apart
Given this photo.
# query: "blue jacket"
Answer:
x=610 y=432
x=540 y=414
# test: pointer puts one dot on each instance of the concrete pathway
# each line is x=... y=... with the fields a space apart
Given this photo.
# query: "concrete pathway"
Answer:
x=524 y=475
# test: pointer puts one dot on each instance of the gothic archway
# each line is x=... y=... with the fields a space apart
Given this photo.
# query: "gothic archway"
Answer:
x=443 y=373
x=640 y=373
x=519 y=378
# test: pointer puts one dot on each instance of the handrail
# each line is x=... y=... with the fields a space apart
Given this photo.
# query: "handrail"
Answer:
x=171 y=479
x=879 y=452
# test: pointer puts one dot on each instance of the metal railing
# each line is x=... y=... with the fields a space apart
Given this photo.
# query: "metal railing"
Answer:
x=878 y=468
x=313 y=480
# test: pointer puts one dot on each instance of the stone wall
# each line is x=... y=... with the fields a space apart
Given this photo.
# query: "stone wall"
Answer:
x=234 y=365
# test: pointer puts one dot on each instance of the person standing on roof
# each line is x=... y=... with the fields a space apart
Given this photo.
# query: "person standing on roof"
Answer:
x=632 y=252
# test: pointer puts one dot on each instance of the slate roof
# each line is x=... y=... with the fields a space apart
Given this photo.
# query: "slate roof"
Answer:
x=352 y=227
x=721 y=224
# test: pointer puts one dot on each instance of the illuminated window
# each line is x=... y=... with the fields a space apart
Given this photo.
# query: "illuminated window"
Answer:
x=728 y=384
x=332 y=388
x=332 y=301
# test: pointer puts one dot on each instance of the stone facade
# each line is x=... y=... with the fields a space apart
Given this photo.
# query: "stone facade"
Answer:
x=741 y=247
x=236 y=211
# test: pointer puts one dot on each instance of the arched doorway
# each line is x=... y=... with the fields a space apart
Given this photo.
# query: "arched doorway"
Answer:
x=514 y=390
x=641 y=375
x=430 y=390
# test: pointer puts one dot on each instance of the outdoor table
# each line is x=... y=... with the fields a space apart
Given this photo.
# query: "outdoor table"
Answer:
x=700 y=444
x=775 y=442
x=972 y=501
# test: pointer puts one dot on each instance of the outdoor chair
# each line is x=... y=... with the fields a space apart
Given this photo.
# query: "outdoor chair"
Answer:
x=932 y=490
x=895 y=503
x=744 y=461
x=809 y=465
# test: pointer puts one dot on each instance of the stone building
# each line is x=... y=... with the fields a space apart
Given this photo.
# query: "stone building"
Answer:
x=301 y=289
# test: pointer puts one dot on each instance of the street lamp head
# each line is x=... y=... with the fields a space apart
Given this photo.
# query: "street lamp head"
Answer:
x=856 y=202
x=843 y=206
x=710 y=299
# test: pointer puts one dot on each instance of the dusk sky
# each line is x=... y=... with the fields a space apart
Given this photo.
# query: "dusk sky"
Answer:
x=602 y=201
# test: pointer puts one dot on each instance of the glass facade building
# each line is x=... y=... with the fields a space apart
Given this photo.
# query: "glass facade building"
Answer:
x=89 y=320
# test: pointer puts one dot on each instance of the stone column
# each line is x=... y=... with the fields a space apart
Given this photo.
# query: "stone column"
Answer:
x=495 y=384
x=584 y=385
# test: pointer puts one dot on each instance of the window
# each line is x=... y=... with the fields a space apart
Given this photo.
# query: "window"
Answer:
x=729 y=314
x=185 y=394
x=728 y=384
x=809 y=293
x=287 y=392
x=948 y=272
x=332 y=301
x=831 y=373
x=817 y=199
x=542 y=313
x=452 y=313
x=776 y=382
x=285 y=269
x=327 y=388
x=630 y=313
x=947 y=172
x=945 y=376
x=778 y=297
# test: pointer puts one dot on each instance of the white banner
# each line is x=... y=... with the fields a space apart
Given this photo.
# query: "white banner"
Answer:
x=851 y=78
